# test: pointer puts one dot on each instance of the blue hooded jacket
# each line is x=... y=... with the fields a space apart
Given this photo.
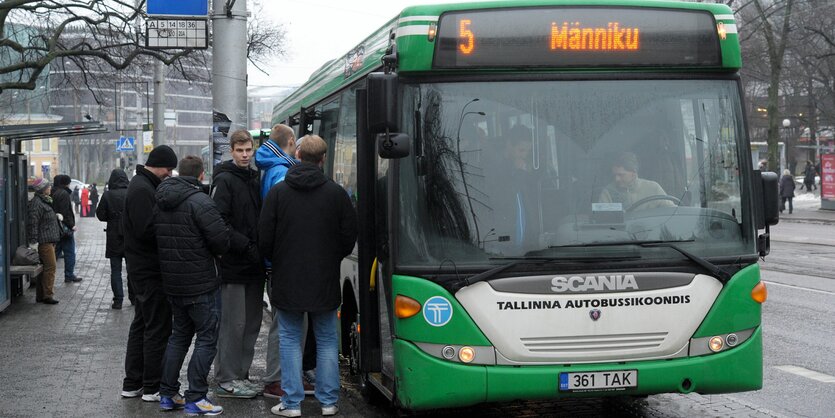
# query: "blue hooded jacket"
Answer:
x=273 y=163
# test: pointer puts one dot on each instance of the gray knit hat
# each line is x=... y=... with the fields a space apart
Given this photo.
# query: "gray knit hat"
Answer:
x=39 y=185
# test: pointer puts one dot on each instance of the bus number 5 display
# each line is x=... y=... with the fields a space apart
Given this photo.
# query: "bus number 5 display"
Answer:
x=467 y=37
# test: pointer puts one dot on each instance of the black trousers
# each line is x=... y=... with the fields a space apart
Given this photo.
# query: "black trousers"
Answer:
x=148 y=336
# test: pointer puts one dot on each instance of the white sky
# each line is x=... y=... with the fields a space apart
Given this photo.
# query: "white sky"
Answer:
x=321 y=30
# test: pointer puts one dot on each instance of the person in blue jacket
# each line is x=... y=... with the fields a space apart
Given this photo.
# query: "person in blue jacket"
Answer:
x=275 y=156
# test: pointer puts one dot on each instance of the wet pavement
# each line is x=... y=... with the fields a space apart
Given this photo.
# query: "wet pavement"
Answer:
x=67 y=360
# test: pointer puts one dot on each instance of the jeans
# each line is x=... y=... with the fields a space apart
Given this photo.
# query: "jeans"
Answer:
x=67 y=247
x=327 y=361
x=116 y=279
x=198 y=315
x=147 y=337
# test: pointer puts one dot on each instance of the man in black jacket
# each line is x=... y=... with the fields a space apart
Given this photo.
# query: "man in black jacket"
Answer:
x=236 y=192
x=191 y=234
x=307 y=226
x=62 y=203
x=110 y=211
x=151 y=324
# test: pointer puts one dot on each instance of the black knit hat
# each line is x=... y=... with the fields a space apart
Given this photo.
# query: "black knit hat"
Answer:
x=162 y=156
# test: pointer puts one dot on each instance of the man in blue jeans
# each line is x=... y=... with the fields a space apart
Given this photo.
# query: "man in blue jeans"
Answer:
x=62 y=204
x=191 y=235
x=307 y=226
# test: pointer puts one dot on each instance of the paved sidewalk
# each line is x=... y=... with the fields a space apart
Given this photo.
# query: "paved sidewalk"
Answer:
x=807 y=209
x=67 y=360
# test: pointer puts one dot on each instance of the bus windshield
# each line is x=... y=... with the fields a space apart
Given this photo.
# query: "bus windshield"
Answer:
x=515 y=169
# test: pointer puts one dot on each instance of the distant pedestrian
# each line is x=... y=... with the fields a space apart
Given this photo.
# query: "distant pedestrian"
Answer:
x=62 y=203
x=786 y=191
x=76 y=199
x=151 y=324
x=42 y=232
x=191 y=235
x=809 y=176
x=110 y=211
x=307 y=226
x=85 y=202
x=94 y=199
x=236 y=192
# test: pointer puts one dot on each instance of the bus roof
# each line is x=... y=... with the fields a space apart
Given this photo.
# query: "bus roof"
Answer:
x=418 y=30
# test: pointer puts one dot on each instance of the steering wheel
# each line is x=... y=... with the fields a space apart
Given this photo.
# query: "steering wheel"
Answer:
x=653 y=198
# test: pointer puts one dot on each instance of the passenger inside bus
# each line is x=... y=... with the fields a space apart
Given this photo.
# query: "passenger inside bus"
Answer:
x=630 y=190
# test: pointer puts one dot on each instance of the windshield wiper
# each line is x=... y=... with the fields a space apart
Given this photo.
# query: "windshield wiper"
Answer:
x=715 y=270
x=489 y=274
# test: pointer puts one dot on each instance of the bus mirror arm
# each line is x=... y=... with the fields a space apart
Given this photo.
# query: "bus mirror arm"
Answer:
x=764 y=243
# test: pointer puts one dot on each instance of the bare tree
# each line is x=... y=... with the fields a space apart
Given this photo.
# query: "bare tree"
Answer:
x=36 y=33
x=265 y=39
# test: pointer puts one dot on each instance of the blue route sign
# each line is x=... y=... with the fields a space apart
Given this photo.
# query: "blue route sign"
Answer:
x=125 y=143
x=191 y=8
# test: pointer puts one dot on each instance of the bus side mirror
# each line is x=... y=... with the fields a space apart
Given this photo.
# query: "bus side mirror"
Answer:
x=382 y=102
x=392 y=146
x=770 y=198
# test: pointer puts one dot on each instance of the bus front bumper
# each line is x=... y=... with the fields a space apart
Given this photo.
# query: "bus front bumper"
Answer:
x=426 y=382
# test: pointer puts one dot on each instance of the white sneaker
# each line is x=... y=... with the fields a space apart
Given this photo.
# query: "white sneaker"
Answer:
x=151 y=397
x=282 y=410
x=330 y=410
x=131 y=393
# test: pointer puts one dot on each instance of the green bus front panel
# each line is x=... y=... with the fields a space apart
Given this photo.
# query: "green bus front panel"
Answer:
x=426 y=382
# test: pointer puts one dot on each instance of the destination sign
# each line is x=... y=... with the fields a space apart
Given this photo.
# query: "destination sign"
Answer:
x=577 y=37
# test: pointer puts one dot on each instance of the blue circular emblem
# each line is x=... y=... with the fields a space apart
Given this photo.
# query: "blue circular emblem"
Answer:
x=437 y=311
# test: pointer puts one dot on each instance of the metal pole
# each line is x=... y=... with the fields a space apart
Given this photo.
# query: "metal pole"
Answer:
x=229 y=77
x=159 y=103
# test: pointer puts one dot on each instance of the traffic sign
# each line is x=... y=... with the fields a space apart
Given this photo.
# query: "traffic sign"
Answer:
x=125 y=144
x=191 y=8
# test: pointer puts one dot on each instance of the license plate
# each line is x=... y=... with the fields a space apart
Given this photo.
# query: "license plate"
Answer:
x=598 y=381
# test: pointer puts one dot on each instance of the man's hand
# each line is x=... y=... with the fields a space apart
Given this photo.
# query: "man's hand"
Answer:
x=60 y=217
x=75 y=228
x=33 y=245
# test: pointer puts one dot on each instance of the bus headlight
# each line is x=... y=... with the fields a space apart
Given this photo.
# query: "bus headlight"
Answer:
x=716 y=344
x=466 y=355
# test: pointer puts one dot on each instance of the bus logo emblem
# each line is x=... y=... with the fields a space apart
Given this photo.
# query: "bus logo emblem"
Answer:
x=437 y=311
x=594 y=314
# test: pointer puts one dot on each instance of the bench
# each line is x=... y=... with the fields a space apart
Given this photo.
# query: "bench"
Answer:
x=23 y=276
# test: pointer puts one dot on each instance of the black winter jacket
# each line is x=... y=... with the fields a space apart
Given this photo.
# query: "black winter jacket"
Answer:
x=307 y=227
x=110 y=210
x=190 y=234
x=787 y=186
x=62 y=203
x=138 y=227
x=236 y=192
x=41 y=221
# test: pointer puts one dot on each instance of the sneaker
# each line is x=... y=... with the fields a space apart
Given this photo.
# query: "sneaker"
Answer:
x=151 y=397
x=172 y=403
x=132 y=393
x=282 y=410
x=330 y=410
x=235 y=389
x=273 y=390
x=255 y=386
x=49 y=301
x=203 y=407
x=116 y=305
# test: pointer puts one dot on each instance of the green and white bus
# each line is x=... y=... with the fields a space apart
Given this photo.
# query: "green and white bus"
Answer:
x=555 y=198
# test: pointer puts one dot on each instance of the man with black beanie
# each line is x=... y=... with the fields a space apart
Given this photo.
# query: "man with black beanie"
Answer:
x=62 y=204
x=151 y=324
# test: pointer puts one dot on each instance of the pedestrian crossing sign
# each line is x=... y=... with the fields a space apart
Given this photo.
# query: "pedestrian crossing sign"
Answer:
x=125 y=143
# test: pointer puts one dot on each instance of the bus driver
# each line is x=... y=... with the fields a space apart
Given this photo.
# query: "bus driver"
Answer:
x=627 y=188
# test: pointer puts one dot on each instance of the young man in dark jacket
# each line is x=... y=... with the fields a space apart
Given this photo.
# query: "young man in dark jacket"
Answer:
x=110 y=210
x=191 y=234
x=307 y=226
x=151 y=324
x=235 y=191
x=62 y=203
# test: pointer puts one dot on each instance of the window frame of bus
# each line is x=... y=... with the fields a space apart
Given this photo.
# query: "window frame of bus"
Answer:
x=446 y=58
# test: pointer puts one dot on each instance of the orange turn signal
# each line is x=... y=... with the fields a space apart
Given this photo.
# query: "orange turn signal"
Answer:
x=405 y=307
x=759 y=293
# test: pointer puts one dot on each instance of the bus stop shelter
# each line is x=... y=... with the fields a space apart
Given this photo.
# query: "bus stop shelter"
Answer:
x=13 y=187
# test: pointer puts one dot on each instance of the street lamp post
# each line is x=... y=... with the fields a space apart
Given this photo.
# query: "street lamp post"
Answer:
x=786 y=124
